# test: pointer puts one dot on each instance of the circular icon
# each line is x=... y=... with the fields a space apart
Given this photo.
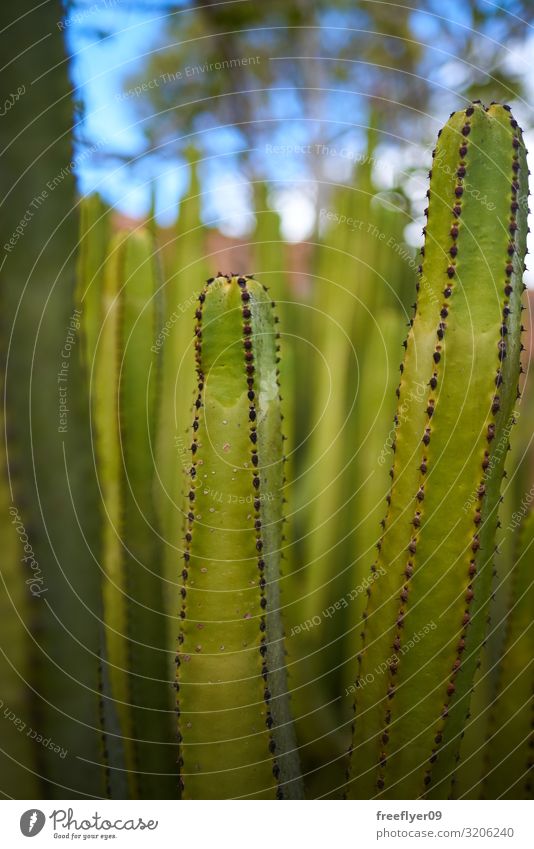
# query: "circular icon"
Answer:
x=31 y=822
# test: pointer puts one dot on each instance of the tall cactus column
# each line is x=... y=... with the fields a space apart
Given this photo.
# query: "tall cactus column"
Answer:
x=426 y=616
x=235 y=732
x=136 y=685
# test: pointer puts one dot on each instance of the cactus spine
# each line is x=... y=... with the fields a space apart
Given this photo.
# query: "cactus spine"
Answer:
x=234 y=720
x=426 y=616
x=182 y=268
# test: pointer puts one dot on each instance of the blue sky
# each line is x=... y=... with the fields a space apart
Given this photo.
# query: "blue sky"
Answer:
x=110 y=40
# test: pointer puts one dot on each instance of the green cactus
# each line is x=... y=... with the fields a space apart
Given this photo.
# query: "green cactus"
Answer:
x=51 y=470
x=16 y=756
x=357 y=326
x=235 y=731
x=472 y=767
x=426 y=616
x=92 y=247
x=371 y=423
x=508 y=762
x=148 y=627
x=104 y=397
x=269 y=250
x=137 y=633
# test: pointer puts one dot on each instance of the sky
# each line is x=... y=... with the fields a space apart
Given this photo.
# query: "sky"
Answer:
x=109 y=40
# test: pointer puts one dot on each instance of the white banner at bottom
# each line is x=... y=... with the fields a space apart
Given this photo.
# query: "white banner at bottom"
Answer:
x=269 y=825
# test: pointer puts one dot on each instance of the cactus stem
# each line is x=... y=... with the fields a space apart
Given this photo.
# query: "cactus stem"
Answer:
x=235 y=354
x=454 y=283
x=418 y=517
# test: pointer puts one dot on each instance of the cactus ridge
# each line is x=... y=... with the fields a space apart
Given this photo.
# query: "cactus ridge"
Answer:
x=446 y=262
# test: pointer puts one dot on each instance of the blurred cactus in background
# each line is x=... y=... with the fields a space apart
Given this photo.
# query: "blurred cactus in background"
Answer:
x=49 y=633
x=508 y=754
x=124 y=395
x=356 y=321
